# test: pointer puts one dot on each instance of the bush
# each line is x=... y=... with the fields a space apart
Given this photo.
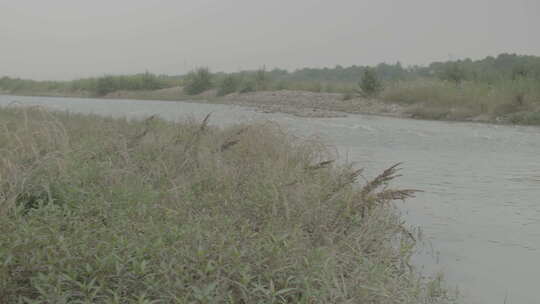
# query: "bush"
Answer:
x=525 y=118
x=347 y=96
x=105 y=85
x=198 y=81
x=261 y=79
x=469 y=99
x=316 y=87
x=150 y=82
x=248 y=85
x=228 y=85
x=454 y=73
x=370 y=84
x=117 y=211
x=108 y=84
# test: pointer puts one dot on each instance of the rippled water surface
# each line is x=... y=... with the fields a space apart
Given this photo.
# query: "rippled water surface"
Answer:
x=481 y=205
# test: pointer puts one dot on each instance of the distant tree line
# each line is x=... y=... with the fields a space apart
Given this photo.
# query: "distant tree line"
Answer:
x=491 y=70
x=97 y=86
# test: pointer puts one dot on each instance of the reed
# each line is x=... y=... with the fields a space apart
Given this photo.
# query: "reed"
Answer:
x=102 y=210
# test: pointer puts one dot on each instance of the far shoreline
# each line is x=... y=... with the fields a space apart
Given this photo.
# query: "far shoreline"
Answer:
x=297 y=103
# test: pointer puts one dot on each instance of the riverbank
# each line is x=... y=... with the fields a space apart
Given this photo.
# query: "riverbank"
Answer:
x=327 y=105
x=99 y=209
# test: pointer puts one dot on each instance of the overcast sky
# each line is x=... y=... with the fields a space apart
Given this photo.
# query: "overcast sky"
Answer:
x=66 y=39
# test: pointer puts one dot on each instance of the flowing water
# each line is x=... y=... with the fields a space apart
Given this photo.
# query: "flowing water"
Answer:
x=481 y=207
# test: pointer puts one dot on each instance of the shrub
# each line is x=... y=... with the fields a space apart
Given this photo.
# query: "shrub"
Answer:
x=151 y=82
x=281 y=85
x=347 y=96
x=316 y=87
x=370 y=83
x=108 y=84
x=198 y=81
x=105 y=85
x=261 y=79
x=469 y=99
x=454 y=73
x=228 y=85
x=525 y=118
x=248 y=85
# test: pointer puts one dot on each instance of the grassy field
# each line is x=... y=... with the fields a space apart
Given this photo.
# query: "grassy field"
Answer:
x=102 y=210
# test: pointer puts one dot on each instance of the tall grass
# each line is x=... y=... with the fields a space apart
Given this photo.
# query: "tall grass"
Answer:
x=101 y=210
x=446 y=99
x=15 y=85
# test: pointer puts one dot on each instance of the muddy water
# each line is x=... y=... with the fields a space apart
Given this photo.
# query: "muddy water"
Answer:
x=481 y=205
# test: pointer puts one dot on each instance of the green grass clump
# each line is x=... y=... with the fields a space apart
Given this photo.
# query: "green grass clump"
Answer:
x=102 y=210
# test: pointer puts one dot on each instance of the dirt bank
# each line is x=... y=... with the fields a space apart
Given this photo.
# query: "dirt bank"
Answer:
x=310 y=104
x=298 y=103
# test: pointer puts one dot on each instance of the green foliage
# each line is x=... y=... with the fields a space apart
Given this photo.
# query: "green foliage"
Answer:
x=344 y=75
x=490 y=69
x=468 y=100
x=370 y=84
x=105 y=85
x=454 y=73
x=16 y=85
x=347 y=96
x=101 y=210
x=198 y=81
x=93 y=86
x=460 y=89
x=525 y=118
x=248 y=85
x=520 y=71
x=261 y=79
x=228 y=85
x=145 y=81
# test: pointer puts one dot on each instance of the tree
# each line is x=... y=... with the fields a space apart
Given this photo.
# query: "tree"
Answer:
x=370 y=84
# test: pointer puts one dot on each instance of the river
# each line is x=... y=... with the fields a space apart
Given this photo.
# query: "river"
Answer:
x=480 y=211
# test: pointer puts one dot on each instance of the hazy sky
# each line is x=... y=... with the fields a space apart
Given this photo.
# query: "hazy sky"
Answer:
x=65 y=39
